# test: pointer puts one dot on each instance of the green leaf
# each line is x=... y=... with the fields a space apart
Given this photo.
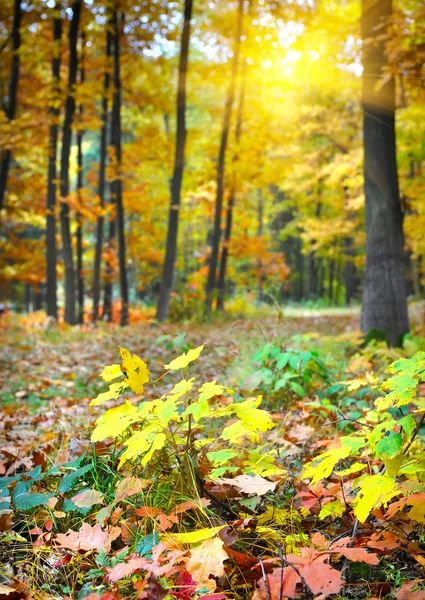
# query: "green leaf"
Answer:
x=408 y=423
x=146 y=544
x=71 y=479
x=25 y=501
x=298 y=389
x=389 y=446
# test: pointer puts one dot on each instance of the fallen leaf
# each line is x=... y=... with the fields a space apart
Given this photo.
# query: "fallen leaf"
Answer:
x=88 y=498
x=205 y=561
x=88 y=538
x=250 y=484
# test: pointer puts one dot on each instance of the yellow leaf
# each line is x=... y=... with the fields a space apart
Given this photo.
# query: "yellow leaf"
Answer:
x=115 y=390
x=193 y=537
x=355 y=468
x=181 y=388
x=375 y=490
x=111 y=372
x=115 y=421
x=135 y=370
x=182 y=361
x=141 y=442
x=206 y=560
x=322 y=466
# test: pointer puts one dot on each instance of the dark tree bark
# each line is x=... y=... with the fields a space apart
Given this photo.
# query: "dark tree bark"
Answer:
x=116 y=184
x=79 y=232
x=231 y=202
x=332 y=268
x=176 y=183
x=64 y=177
x=109 y=275
x=212 y=272
x=102 y=181
x=384 y=305
x=51 y=251
x=13 y=93
x=260 y=213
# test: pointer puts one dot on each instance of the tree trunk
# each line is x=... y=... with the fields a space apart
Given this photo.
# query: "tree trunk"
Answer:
x=79 y=233
x=51 y=252
x=231 y=201
x=176 y=184
x=332 y=266
x=116 y=184
x=384 y=298
x=13 y=93
x=260 y=212
x=109 y=277
x=64 y=178
x=211 y=281
x=101 y=182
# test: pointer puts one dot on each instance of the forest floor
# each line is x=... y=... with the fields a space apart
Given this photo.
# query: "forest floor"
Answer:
x=48 y=378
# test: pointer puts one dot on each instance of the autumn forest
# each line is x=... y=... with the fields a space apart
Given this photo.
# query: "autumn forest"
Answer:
x=212 y=316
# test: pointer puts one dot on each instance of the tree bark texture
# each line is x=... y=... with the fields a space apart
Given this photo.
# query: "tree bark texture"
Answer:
x=13 y=94
x=212 y=272
x=51 y=250
x=384 y=305
x=100 y=226
x=177 y=179
x=116 y=184
x=68 y=260
x=79 y=233
x=231 y=202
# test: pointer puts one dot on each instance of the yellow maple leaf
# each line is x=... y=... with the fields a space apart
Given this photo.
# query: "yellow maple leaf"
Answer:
x=205 y=560
x=115 y=421
x=182 y=361
x=135 y=371
x=323 y=465
x=111 y=372
x=194 y=537
x=375 y=490
x=115 y=390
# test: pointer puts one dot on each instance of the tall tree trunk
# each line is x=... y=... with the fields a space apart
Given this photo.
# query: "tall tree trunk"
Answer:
x=64 y=178
x=176 y=184
x=51 y=252
x=211 y=281
x=102 y=181
x=231 y=201
x=260 y=212
x=116 y=184
x=13 y=93
x=109 y=275
x=384 y=298
x=79 y=233
x=332 y=267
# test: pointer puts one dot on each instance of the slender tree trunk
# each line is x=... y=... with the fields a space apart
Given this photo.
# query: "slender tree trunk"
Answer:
x=64 y=178
x=384 y=298
x=51 y=252
x=231 y=201
x=109 y=276
x=176 y=184
x=260 y=212
x=13 y=93
x=79 y=233
x=211 y=281
x=102 y=181
x=332 y=267
x=116 y=184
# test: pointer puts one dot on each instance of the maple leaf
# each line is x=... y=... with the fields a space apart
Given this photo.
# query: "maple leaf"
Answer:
x=410 y=591
x=323 y=465
x=111 y=372
x=205 y=560
x=115 y=421
x=135 y=371
x=193 y=537
x=182 y=361
x=87 y=498
x=129 y=486
x=123 y=570
x=88 y=538
x=115 y=390
x=354 y=554
x=375 y=490
x=250 y=484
